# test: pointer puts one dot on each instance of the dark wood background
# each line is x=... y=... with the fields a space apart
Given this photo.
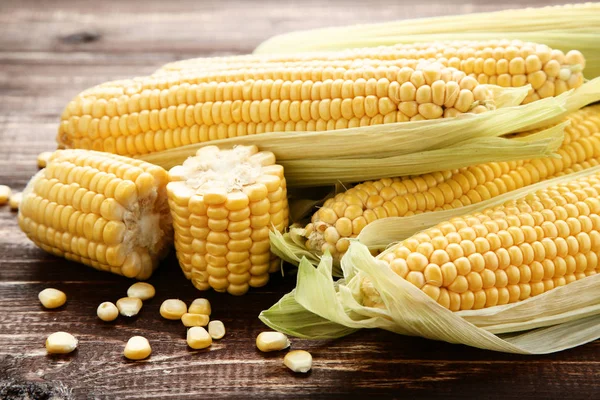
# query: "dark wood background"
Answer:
x=51 y=50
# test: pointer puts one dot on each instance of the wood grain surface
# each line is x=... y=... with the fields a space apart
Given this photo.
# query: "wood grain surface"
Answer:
x=51 y=50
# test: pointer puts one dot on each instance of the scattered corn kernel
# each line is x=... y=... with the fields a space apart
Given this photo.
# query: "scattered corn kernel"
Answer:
x=42 y=158
x=173 y=309
x=200 y=306
x=216 y=329
x=137 y=348
x=15 y=200
x=129 y=306
x=141 y=290
x=198 y=338
x=107 y=311
x=61 y=343
x=5 y=194
x=194 y=319
x=298 y=361
x=52 y=298
x=272 y=341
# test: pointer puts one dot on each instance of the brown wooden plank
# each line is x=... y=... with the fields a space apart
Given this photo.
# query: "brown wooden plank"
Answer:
x=210 y=26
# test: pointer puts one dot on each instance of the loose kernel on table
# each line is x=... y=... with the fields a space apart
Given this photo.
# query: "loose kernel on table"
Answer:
x=52 y=298
x=5 y=194
x=107 y=311
x=298 y=361
x=137 y=348
x=173 y=309
x=216 y=329
x=129 y=306
x=61 y=343
x=15 y=200
x=42 y=158
x=190 y=320
x=198 y=338
x=272 y=341
x=200 y=306
x=141 y=290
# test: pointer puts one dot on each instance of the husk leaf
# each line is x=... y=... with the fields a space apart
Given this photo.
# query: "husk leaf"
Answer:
x=409 y=311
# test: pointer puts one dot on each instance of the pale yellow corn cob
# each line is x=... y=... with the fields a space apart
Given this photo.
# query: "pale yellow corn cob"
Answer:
x=345 y=215
x=499 y=62
x=223 y=204
x=504 y=254
x=103 y=210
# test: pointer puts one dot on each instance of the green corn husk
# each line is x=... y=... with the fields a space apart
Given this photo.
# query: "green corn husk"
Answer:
x=406 y=148
x=561 y=27
x=320 y=308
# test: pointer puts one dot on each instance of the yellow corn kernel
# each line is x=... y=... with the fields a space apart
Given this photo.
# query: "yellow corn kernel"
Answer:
x=61 y=343
x=141 y=290
x=107 y=311
x=189 y=319
x=52 y=298
x=5 y=194
x=298 y=361
x=173 y=309
x=216 y=329
x=200 y=306
x=198 y=338
x=129 y=306
x=272 y=341
x=137 y=348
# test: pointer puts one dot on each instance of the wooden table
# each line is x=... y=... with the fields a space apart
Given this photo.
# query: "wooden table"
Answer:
x=49 y=51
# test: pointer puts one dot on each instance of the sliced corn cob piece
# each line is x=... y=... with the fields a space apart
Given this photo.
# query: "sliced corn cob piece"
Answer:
x=345 y=215
x=151 y=114
x=223 y=203
x=504 y=254
x=102 y=210
x=499 y=62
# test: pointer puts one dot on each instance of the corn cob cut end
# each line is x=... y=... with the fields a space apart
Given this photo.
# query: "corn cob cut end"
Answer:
x=105 y=211
x=504 y=254
x=223 y=204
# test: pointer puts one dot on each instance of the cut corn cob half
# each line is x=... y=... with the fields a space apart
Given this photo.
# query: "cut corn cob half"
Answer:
x=505 y=254
x=151 y=114
x=102 y=210
x=499 y=62
x=344 y=216
x=223 y=204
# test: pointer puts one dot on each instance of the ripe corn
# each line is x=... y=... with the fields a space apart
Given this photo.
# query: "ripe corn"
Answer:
x=345 y=215
x=499 y=62
x=61 y=343
x=52 y=298
x=504 y=254
x=102 y=210
x=223 y=204
x=145 y=115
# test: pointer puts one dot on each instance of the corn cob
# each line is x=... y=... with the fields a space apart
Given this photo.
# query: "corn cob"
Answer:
x=498 y=62
x=345 y=215
x=505 y=254
x=151 y=114
x=102 y=210
x=223 y=204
